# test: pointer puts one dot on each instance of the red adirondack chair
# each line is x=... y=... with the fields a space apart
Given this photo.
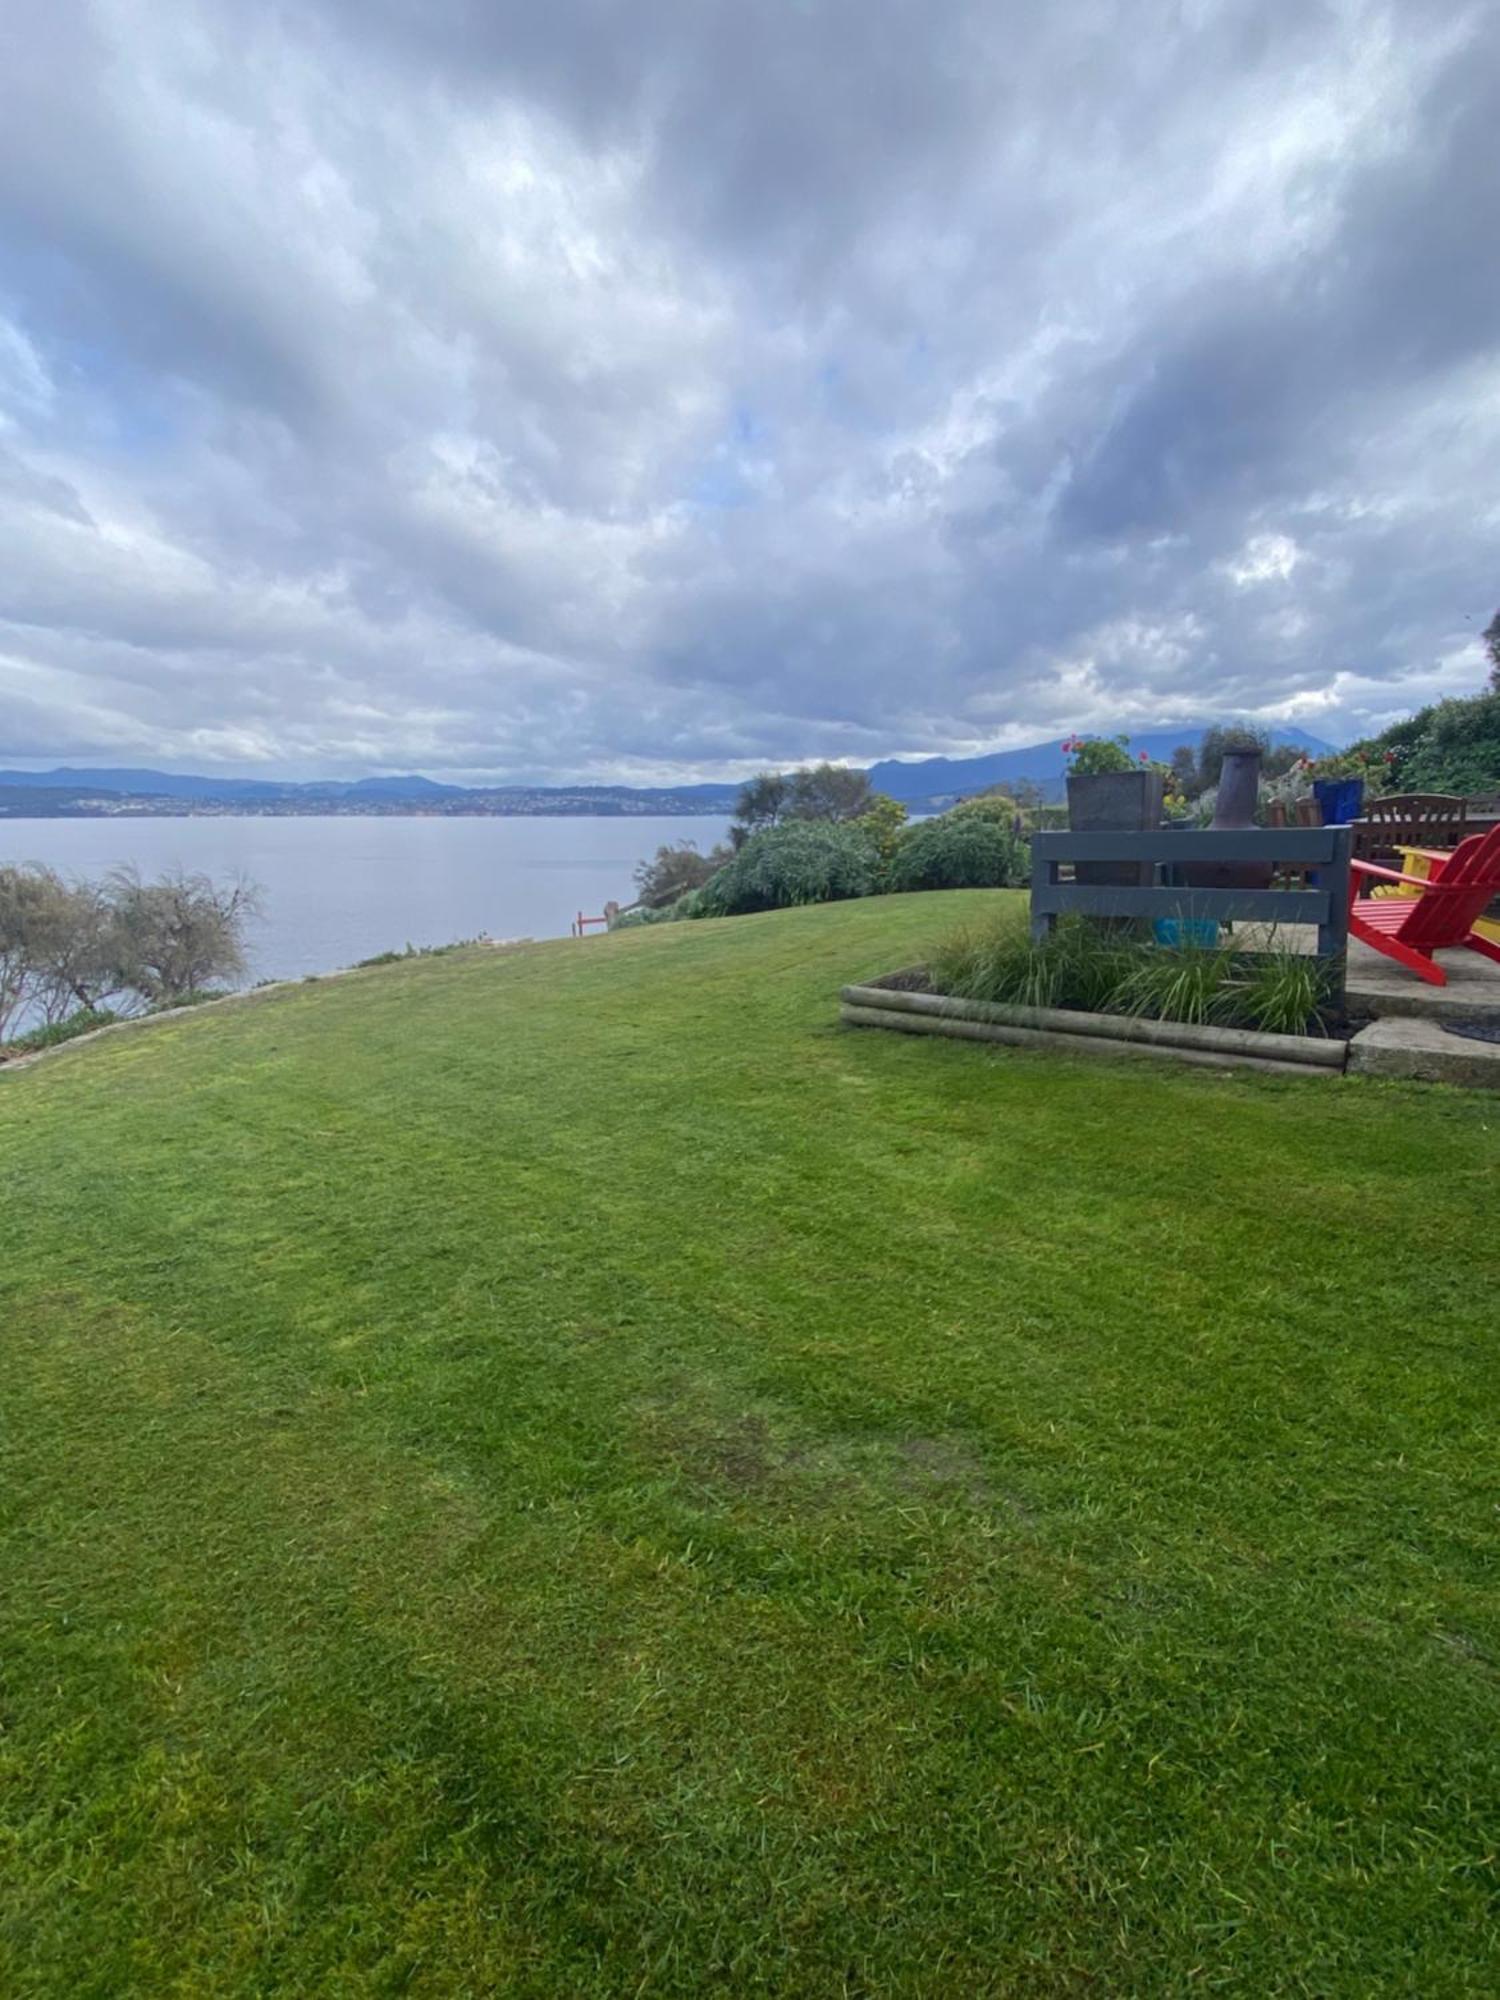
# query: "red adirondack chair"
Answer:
x=1411 y=930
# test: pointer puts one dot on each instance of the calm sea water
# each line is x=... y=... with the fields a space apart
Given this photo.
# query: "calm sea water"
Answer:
x=334 y=890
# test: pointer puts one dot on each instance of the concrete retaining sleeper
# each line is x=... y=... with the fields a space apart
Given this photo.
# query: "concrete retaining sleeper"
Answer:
x=1105 y=1034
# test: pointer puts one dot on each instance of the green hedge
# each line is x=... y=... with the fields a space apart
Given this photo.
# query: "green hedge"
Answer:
x=805 y=861
x=957 y=852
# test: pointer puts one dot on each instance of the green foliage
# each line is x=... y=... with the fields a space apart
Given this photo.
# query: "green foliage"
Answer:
x=560 y=1474
x=998 y=807
x=674 y=870
x=957 y=852
x=881 y=821
x=51 y=1033
x=1215 y=744
x=1098 y=756
x=820 y=792
x=803 y=861
x=1492 y=651
x=1086 y=965
x=828 y=791
x=690 y=905
x=761 y=802
x=1452 y=746
x=1281 y=993
x=67 y=947
x=1078 y=964
x=1187 y=982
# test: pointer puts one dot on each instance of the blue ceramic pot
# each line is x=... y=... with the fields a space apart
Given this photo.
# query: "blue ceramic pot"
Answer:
x=1339 y=799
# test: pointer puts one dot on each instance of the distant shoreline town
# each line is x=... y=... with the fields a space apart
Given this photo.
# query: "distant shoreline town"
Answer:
x=929 y=783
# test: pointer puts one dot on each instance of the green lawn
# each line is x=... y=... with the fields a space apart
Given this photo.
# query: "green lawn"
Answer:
x=564 y=1473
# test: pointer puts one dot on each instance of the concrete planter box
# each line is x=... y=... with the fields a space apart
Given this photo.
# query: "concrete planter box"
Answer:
x=892 y=1003
x=1115 y=802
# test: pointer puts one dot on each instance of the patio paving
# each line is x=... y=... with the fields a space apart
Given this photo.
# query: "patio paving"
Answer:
x=1377 y=985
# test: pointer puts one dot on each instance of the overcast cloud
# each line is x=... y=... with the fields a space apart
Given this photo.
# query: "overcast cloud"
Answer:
x=487 y=387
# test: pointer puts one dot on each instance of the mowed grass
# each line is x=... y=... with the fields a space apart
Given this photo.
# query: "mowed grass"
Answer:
x=563 y=1472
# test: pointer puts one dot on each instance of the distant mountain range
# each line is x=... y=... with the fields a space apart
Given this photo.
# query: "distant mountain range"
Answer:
x=930 y=781
x=933 y=779
x=111 y=793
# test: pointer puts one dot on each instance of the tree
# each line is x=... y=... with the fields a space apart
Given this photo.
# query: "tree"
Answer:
x=674 y=870
x=1184 y=770
x=1492 y=647
x=828 y=791
x=73 y=946
x=20 y=902
x=176 y=937
x=1218 y=741
x=762 y=802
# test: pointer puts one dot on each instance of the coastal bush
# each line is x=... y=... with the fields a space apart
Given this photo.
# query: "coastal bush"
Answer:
x=998 y=807
x=676 y=868
x=955 y=852
x=51 y=1033
x=640 y=914
x=802 y=861
x=70 y=948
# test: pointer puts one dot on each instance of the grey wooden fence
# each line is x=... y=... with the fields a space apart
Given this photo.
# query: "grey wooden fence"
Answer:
x=1324 y=902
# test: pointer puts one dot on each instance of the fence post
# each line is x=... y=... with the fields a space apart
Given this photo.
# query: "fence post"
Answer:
x=1041 y=923
x=1333 y=932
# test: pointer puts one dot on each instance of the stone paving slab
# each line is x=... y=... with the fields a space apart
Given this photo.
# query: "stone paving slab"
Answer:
x=1377 y=986
x=1419 y=1046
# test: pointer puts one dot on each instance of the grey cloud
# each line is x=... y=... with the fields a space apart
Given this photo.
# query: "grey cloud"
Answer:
x=566 y=390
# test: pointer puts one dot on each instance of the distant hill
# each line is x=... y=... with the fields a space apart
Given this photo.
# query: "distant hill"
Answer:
x=1044 y=764
x=928 y=780
x=109 y=790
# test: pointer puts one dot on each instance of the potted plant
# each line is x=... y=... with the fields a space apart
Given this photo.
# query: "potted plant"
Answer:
x=1343 y=781
x=1109 y=791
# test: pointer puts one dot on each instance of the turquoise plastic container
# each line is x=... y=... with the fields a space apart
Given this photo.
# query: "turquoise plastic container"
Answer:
x=1201 y=933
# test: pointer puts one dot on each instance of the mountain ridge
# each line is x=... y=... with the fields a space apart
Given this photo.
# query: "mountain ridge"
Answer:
x=71 y=789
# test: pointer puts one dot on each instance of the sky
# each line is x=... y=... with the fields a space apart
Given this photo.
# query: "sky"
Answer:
x=661 y=391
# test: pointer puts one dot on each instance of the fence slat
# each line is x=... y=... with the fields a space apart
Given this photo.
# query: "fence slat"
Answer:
x=1266 y=906
x=1312 y=845
x=1324 y=848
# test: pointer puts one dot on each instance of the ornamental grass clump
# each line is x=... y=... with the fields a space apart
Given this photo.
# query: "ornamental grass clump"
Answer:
x=1281 y=993
x=1188 y=982
x=1090 y=968
x=1078 y=964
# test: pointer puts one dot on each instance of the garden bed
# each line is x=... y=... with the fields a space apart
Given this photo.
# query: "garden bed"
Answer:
x=904 y=1001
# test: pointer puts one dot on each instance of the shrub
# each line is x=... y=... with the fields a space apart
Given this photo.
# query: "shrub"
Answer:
x=1453 y=746
x=83 y=1022
x=1098 y=756
x=803 y=861
x=956 y=853
x=675 y=869
x=998 y=807
x=669 y=913
x=882 y=821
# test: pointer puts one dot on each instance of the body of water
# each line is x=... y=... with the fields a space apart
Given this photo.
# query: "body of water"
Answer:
x=338 y=889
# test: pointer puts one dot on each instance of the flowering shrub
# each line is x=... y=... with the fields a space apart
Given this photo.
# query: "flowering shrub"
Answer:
x=1376 y=767
x=1097 y=756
